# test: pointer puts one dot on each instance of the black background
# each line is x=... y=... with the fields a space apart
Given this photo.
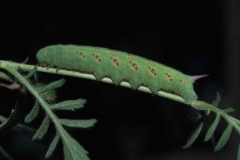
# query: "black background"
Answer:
x=188 y=36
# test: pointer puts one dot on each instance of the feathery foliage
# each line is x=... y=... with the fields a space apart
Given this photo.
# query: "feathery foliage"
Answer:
x=212 y=129
x=232 y=123
x=198 y=124
x=45 y=98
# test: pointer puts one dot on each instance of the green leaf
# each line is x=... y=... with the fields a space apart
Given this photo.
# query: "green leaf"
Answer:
x=69 y=105
x=218 y=99
x=193 y=136
x=51 y=86
x=33 y=113
x=52 y=146
x=229 y=110
x=72 y=149
x=78 y=123
x=212 y=129
x=224 y=138
x=31 y=73
x=42 y=130
x=49 y=96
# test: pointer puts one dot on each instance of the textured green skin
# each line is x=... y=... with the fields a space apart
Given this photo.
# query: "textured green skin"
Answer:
x=70 y=57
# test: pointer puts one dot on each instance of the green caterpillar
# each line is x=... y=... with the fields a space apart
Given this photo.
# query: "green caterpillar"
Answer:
x=119 y=66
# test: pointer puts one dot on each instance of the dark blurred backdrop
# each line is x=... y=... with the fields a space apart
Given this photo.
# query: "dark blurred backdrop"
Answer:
x=195 y=37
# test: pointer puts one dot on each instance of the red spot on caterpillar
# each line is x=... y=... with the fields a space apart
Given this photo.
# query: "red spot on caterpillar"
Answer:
x=115 y=61
x=98 y=58
x=82 y=54
x=153 y=71
x=169 y=76
x=134 y=65
x=66 y=53
x=181 y=81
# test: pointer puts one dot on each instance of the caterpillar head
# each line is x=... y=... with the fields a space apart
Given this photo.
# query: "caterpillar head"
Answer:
x=40 y=57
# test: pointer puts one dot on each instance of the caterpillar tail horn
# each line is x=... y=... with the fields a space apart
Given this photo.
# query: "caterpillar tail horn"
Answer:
x=199 y=76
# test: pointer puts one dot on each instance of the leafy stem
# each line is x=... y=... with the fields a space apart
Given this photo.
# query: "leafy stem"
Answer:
x=74 y=150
